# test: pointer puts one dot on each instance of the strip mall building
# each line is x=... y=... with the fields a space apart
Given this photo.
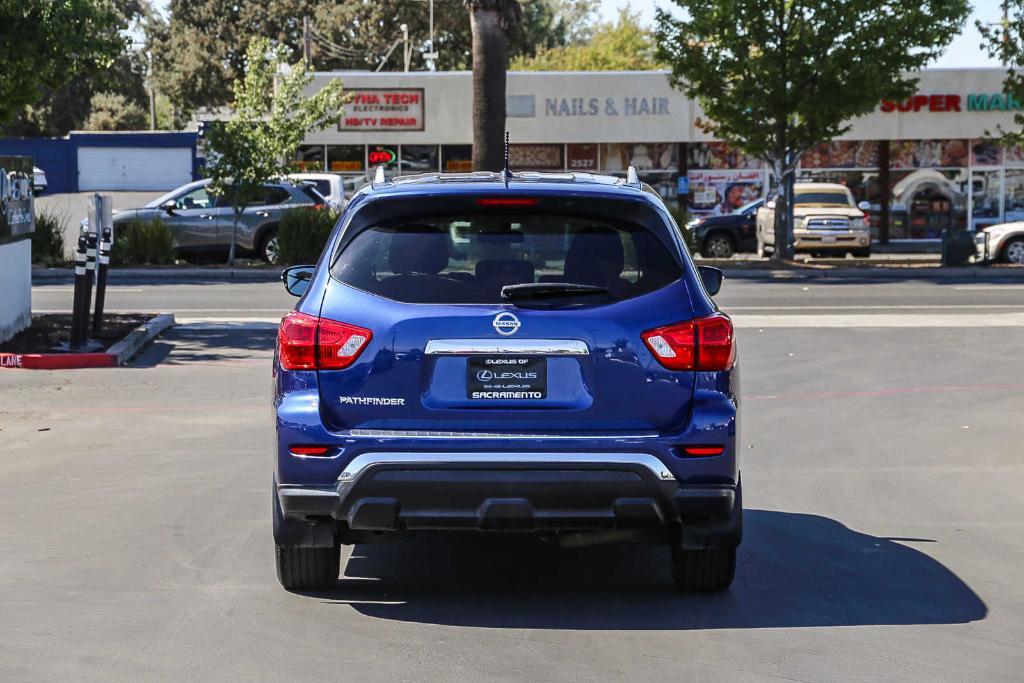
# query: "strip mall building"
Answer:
x=924 y=164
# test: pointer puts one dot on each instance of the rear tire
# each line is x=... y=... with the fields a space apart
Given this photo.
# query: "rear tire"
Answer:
x=308 y=569
x=708 y=571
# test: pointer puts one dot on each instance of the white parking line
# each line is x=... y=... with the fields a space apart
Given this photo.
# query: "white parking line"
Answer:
x=905 y=320
x=969 y=288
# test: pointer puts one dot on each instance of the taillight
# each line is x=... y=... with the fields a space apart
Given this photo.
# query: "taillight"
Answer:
x=701 y=344
x=310 y=451
x=306 y=342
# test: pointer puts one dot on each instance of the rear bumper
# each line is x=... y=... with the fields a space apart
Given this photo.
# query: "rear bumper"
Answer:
x=508 y=492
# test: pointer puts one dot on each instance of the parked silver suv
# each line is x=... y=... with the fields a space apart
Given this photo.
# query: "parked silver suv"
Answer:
x=202 y=223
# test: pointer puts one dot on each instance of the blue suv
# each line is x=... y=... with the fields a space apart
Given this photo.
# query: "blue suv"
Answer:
x=506 y=353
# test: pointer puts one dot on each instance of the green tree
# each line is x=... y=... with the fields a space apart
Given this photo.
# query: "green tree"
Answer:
x=200 y=52
x=775 y=77
x=46 y=44
x=113 y=111
x=271 y=114
x=625 y=45
x=489 y=21
x=1005 y=41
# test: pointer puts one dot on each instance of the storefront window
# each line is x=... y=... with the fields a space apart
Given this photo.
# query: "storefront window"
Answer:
x=582 y=158
x=986 y=153
x=383 y=155
x=927 y=201
x=643 y=156
x=309 y=158
x=1013 y=195
x=535 y=158
x=419 y=158
x=986 y=187
x=346 y=158
x=456 y=158
x=719 y=156
x=842 y=154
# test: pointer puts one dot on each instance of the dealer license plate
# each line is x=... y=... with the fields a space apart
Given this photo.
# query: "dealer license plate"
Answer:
x=828 y=239
x=508 y=378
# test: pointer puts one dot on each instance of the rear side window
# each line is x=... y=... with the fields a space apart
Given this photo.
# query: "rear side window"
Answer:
x=470 y=258
x=312 y=194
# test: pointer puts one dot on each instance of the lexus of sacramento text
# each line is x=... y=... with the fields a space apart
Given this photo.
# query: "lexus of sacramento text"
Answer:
x=506 y=354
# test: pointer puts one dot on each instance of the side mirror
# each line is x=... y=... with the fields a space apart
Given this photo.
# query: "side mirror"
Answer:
x=170 y=206
x=712 y=278
x=770 y=204
x=864 y=206
x=297 y=278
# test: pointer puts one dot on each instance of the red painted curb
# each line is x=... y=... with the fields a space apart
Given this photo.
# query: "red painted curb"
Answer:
x=57 y=361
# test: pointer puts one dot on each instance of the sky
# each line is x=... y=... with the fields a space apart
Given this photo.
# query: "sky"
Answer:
x=964 y=51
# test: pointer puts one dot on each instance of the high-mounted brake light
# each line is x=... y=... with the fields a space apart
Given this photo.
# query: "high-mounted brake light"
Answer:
x=506 y=201
x=306 y=342
x=702 y=344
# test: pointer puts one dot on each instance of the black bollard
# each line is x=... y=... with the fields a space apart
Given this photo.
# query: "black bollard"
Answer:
x=90 y=275
x=80 y=308
x=101 y=282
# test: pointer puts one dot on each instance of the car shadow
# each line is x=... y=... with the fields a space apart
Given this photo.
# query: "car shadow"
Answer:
x=795 y=570
x=187 y=344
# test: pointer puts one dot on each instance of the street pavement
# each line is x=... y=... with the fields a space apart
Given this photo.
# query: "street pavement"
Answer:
x=882 y=480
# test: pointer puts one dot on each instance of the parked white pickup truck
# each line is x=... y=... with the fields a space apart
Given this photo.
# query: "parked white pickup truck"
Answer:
x=825 y=220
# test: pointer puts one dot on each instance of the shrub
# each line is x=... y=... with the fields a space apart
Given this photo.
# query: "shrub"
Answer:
x=48 y=239
x=302 y=235
x=142 y=242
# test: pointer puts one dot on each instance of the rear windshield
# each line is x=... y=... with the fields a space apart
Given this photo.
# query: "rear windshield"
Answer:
x=470 y=258
x=823 y=198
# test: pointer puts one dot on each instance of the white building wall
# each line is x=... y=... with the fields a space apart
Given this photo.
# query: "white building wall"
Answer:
x=448 y=114
x=15 y=287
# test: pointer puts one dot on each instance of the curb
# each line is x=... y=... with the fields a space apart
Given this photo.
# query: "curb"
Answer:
x=163 y=274
x=125 y=349
x=927 y=273
x=118 y=354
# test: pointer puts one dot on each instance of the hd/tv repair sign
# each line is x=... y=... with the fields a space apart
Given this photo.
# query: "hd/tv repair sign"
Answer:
x=387 y=109
x=17 y=215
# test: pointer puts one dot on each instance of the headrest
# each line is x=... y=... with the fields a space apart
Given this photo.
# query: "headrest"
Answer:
x=595 y=256
x=418 y=249
x=506 y=271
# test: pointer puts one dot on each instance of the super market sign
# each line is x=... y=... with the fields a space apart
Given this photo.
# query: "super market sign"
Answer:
x=943 y=102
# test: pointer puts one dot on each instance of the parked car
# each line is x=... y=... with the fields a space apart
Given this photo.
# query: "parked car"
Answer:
x=330 y=185
x=38 y=180
x=584 y=397
x=723 y=236
x=1005 y=242
x=825 y=220
x=200 y=222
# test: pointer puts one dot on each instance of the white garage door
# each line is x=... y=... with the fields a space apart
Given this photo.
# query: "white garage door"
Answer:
x=133 y=168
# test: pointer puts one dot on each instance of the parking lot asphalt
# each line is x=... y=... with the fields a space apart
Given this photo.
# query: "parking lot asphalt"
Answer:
x=882 y=480
x=72 y=207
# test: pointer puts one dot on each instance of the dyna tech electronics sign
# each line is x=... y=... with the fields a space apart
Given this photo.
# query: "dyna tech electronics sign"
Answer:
x=393 y=109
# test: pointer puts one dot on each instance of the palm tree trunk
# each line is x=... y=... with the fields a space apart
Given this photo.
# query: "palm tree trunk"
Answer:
x=489 y=67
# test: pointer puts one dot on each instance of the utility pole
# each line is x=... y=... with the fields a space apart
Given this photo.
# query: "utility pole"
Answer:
x=406 y=50
x=431 y=54
x=306 y=43
x=152 y=91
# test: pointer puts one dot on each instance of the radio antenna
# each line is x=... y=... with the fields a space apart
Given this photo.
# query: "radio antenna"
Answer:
x=506 y=173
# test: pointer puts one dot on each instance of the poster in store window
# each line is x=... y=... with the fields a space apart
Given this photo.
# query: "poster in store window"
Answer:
x=719 y=155
x=643 y=156
x=986 y=153
x=717 y=193
x=940 y=153
x=535 y=157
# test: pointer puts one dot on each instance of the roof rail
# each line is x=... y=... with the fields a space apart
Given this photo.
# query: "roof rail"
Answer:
x=378 y=177
x=631 y=177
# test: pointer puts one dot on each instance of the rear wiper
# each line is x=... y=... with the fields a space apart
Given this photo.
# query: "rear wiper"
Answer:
x=548 y=290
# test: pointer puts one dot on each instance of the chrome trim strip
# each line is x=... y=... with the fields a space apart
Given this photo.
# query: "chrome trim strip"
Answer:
x=361 y=463
x=432 y=434
x=522 y=347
